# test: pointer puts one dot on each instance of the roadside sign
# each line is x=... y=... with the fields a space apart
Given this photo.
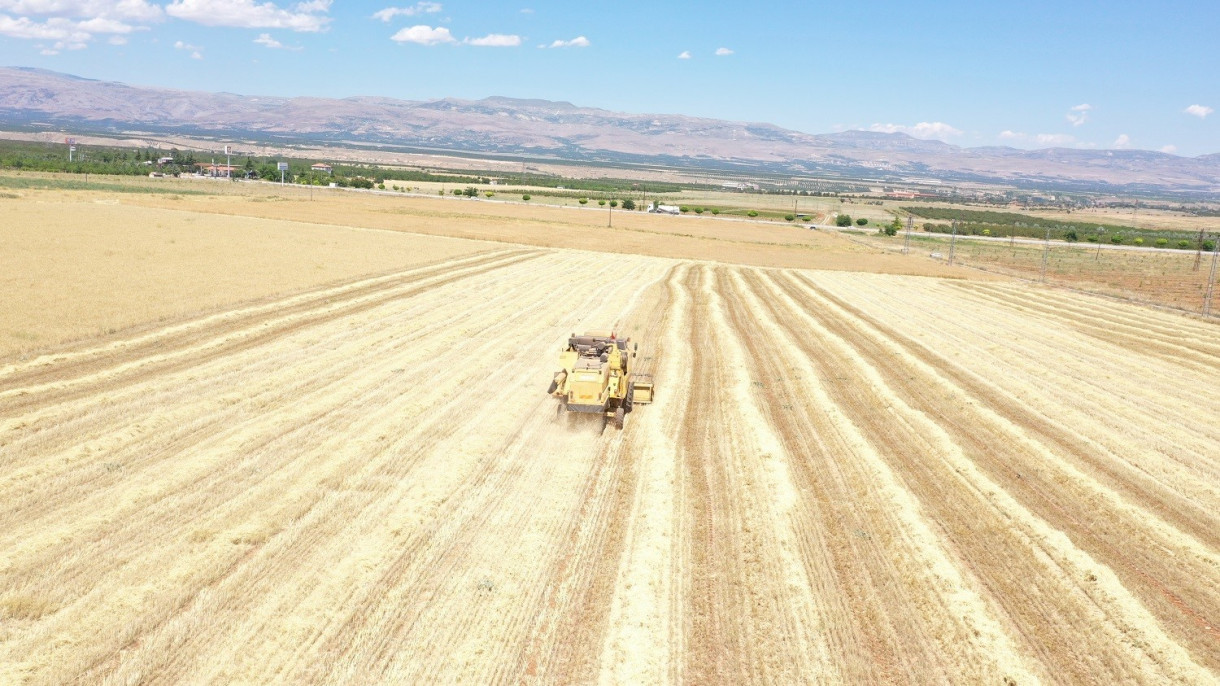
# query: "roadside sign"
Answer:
x=282 y=166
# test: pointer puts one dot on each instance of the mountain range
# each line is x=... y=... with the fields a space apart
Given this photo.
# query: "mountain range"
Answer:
x=563 y=131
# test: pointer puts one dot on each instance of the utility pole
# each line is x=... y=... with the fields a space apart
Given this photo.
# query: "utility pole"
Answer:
x=1199 y=251
x=906 y=245
x=1211 y=280
x=953 y=243
x=610 y=219
x=1046 y=249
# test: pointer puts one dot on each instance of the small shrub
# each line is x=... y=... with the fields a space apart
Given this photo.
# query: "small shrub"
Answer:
x=1071 y=236
x=698 y=210
x=986 y=232
x=843 y=220
x=1138 y=241
x=789 y=217
x=601 y=203
x=583 y=201
x=526 y=197
x=1183 y=244
x=862 y=222
x=891 y=230
x=457 y=191
x=381 y=186
x=1092 y=238
x=751 y=213
x=1208 y=246
x=614 y=203
x=1162 y=242
x=715 y=211
x=1116 y=239
x=488 y=194
x=684 y=209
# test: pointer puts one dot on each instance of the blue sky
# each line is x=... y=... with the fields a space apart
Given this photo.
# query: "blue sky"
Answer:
x=1033 y=74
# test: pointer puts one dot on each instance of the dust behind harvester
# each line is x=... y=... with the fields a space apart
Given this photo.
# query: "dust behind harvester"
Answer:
x=596 y=377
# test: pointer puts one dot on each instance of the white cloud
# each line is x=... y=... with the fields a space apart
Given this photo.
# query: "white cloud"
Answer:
x=1054 y=139
x=527 y=10
x=1171 y=149
x=423 y=35
x=418 y=8
x=577 y=42
x=1079 y=114
x=1122 y=141
x=248 y=14
x=118 y=40
x=196 y=51
x=48 y=52
x=72 y=25
x=936 y=129
x=684 y=55
x=132 y=10
x=1200 y=111
x=721 y=52
x=495 y=40
x=265 y=39
x=1042 y=139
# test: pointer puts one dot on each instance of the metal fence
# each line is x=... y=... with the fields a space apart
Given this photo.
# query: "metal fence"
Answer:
x=1179 y=279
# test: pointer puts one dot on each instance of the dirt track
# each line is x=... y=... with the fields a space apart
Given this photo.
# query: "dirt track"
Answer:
x=845 y=478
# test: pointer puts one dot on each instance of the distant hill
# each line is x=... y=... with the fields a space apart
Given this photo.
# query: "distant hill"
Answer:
x=566 y=131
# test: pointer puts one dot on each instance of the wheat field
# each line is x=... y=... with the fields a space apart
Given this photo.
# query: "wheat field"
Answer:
x=846 y=477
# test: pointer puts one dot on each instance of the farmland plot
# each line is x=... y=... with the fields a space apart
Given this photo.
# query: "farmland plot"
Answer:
x=845 y=478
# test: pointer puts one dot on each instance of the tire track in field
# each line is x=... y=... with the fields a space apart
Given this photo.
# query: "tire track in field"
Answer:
x=565 y=641
x=224 y=340
x=1174 y=351
x=888 y=620
x=1050 y=610
x=747 y=606
x=1137 y=487
x=453 y=412
x=368 y=638
x=36 y=502
x=1168 y=586
x=251 y=475
x=643 y=642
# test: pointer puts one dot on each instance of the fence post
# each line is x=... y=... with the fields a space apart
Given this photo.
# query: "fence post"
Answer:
x=1211 y=279
x=953 y=243
x=1046 y=248
x=906 y=245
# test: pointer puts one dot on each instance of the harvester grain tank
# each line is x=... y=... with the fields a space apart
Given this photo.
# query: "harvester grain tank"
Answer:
x=596 y=377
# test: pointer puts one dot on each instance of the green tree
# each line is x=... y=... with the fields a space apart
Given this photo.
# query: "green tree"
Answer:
x=471 y=192
x=601 y=203
x=698 y=210
x=628 y=204
x=715 y=210
x=1070 y=236
x=843 y=220
x=789 y=217
x=583 y=201
x=683 y=209
x=614 y=203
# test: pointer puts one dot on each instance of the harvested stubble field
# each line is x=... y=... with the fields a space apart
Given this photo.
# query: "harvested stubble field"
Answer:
x=846 y=477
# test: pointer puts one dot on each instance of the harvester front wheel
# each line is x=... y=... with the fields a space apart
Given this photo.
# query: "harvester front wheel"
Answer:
x=619 y=415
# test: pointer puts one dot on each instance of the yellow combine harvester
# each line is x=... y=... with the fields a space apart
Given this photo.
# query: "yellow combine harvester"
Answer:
x=596 y=378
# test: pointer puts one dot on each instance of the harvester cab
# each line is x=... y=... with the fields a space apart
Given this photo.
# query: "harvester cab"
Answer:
x=595 y=377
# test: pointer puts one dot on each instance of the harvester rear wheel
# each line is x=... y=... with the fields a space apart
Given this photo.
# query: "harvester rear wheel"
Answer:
x=619 y=415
